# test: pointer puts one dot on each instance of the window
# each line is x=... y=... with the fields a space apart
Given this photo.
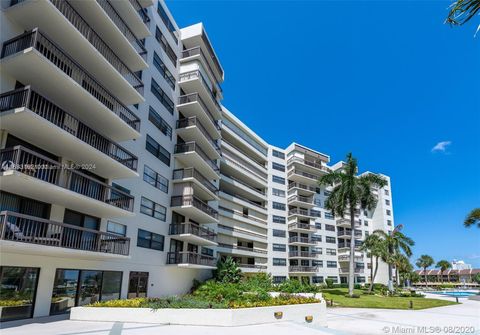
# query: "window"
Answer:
x=278 y=205
x=331 y=252
x=326 y=193
x=316 y=262
x=329 y=216
x=150 y=208
x=155 y=179
x=166 y=20
x=165 y=46
x=279 y=167
x=207 y=251
x=330 y=239
x=331 y=264
x=116 y=228
x=333 y=278
x=150 y=240
x=389 y=222
x=278 y=154
x=278 y=193
x=389 y=212
x=329 y=227
x=387 y=202
x=279 y=262
x=365 y=223
x=279 y=247
x=279 y=180
x=159 y=122
x=387 y=192
x=279 y=233
x=315 y=213
x=162 y=96
x=317 y=251
x=278 y=279
x=279 y=219
x=167 y=75
x=318 y=225
x=316 y=238
x=367 y=234
x=317 y=279
x=157 y=150
x=317 y=202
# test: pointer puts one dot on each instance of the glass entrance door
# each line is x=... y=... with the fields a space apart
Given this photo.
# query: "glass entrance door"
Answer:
x=138 y=284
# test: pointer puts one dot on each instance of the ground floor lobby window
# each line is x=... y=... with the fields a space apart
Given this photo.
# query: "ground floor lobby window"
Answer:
x=18 y=286
x=82 y=287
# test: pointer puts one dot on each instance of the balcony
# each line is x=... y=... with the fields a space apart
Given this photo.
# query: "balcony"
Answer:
x=237 y=215
x=192 y=105
x=242 y=251
x=242 y=233
x=62 y=134
x=191 y=260
x=301 y=212
x=236 y=198
x=302 y=269
x=202 y=186
x=134 y=15
x=297 y=240
x=252 y=267
x=346 y=258
x=302 y=189
x=193 y=81
x=191 y=154
x=196 y=53
x=33 y=175
x=346 y=223
x=238 y=186
x=313 y=166
x=40 y=235
x=346 y=245
x=302 y=254
x=193 y=233
x=194 y=208
x=68 y=29
x=233 y=165
x=110 y=25
x=302 y=177
x=346 y=270
x=31 y=58
x=300 y=227
x=300 y=200
x=191 y=129
x=348 y=233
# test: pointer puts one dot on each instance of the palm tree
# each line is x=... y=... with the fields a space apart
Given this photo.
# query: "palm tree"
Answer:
x=473 y=218
x=401 y=263
x=424 y=262
x=349 y=192
x=461 y=11
x=443 y=265
x=396 y=242
x=375 y=247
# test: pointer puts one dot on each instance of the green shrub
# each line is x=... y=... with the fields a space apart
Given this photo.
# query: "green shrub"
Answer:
x=355 y=296
x=295 y=286
x=343 y=285
x=280 y=300
x=357 y=286
x=13 y=303
x=184 y=302
x=329 y=282
x=218 y=291
x=257 y=282
x=227 y=271
x=136 y=302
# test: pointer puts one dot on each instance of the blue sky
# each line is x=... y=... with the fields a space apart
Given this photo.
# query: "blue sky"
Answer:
x=386 y=80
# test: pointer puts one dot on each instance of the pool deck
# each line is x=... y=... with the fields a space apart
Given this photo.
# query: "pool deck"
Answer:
x=341 y=321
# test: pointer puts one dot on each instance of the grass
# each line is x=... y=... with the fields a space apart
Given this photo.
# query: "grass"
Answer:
x=377 y=301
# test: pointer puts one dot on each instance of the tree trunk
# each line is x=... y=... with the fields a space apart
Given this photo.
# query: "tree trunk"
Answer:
x=441 y=276
x=351 y=273
x=374 y=274
x=397 y=278
x=390 y=281
x=371 y=273
x=425 y=275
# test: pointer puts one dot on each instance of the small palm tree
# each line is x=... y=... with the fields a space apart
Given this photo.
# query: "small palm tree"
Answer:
x=473 y=218
x=444 y=266
x=227 y=271
x=402 y=265
x=350 y=191
x=424 y=262
x=396 y=242
x=375 y=247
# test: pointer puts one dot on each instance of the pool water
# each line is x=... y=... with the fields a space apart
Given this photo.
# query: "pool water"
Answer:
x=460 y=294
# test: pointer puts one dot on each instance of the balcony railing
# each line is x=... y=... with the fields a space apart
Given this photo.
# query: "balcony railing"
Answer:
x=298 y=239
x=194 y=147
x=242 y=231
x=303 y=212
x=196 y=74
x=194 y=121
x=300 y=198
x=252 y=266
x=198 y=51
x=304 y=254
x=195 y=97
x=245 y=199
x=123 y=27
x=355 y=270
x=296 y=268
x=194 y=229
x=301 y=186
x=347 y=245
x=256 y=190
x=26 y=97
x=43 y=168
x=141 y=11
x=238 y=247
x=347 y=258
x=315 y=165
x=30 y=229
x=190 y=200
x=302 y=173
x=242 y=164
x=67 y=65
x=229 y=210
x=191 y=258
x=192 y=173
x=349 y=233
x=299 y=225
x=98 y=43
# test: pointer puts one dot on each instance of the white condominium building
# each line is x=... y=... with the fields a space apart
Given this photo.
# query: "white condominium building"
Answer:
x=122 y=175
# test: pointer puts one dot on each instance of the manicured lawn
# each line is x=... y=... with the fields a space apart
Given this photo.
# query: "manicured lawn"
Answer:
x=377 y=301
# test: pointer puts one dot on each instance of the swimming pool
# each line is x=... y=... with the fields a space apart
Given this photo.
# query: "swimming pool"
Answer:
x=459 y=294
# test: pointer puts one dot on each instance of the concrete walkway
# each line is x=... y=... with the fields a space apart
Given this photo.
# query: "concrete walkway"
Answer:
x=341 y=321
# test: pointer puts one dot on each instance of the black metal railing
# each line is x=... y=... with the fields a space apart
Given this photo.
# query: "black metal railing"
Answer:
x=36 y=165
x=191 y=200
x=299 y=225
x=194 y=229
x=302 y=173
x=123 y=27
x=71 y=68
x=295 y=268
x=198 y=51
x=196 y=74
x=300 y=198
x=252 y=266
x=195 y=97
x=299 y=239
x=194 y=147
x=232 y=211
x=301 y=254
x=30 y=229
x=192 y=173
x=239 y=247
x=26 y=97
x=191 y=258
x=194 y=121
x=141 y=11
x=301 y=186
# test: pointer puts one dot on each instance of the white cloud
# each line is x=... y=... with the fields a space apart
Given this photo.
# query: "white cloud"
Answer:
x=441 y=146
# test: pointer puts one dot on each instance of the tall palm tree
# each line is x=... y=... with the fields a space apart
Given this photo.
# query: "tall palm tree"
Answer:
x=375 y=247
x=443 y=265
x=396 y=242
x=461 y=11
x=349 y=192
x=473 y=218
x=425 y=261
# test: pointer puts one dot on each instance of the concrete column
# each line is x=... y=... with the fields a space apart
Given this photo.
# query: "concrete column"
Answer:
x=3 y=138
x=57 y=212
x=44 y=290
